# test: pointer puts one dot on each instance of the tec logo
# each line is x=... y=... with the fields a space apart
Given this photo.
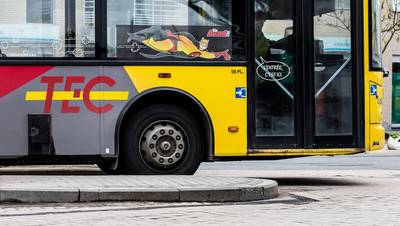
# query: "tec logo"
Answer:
x=374 y=90
x=241 y=92
x=84 y=93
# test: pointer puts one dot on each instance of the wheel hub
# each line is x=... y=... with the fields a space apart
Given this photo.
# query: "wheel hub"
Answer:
x=163 y=144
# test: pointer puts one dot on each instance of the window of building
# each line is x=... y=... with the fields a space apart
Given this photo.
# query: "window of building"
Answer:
x=39 y=11
x=396 y=5
x=89 y=13
x=177 y=30
x=51 y=28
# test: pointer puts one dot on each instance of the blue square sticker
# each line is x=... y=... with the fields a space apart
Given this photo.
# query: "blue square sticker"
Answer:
x=374 y=90
x=241 y=92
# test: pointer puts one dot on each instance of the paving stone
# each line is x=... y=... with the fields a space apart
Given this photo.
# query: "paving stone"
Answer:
x=38 y=196
x=89 y=195
x=209 y=195
x=270 y=190
x=342 y=198
x=160 y=195
x=252 y=193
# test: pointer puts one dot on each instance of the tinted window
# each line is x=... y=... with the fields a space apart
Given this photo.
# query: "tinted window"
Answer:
x=333 y=75
x=40 y=28
x=275 y=68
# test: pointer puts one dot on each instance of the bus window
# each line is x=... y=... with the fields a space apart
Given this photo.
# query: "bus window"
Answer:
x=333 y=68
x=172 y=30
x=39 y=28
x=275 y=57
x=376 y=51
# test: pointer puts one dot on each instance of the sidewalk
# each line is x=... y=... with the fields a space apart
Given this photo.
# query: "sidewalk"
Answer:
x=61 y=188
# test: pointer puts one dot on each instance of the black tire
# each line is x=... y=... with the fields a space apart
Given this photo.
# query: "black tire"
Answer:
x=139 y=154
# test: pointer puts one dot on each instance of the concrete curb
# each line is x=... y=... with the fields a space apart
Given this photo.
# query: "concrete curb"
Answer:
x=256 y=190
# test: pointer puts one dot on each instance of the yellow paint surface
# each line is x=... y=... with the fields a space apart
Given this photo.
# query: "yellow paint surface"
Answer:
x=374 y=132
x=375 y=105
x=69 y=95
x=214 y=88
x=376 y=141
x=304 y=152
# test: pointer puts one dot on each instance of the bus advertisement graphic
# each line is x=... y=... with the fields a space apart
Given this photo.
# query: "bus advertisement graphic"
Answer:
x=174 y=42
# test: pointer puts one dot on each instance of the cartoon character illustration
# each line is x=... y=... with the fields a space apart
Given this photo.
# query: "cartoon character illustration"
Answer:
x=203 y=45
x=179 y=44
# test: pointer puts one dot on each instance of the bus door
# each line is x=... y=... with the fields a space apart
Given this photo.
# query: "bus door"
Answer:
x=303 y=82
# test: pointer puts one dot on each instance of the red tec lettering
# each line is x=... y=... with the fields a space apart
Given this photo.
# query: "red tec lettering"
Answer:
x=51 y=82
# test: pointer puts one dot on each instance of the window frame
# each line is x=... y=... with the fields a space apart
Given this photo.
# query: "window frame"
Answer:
x=101 y=58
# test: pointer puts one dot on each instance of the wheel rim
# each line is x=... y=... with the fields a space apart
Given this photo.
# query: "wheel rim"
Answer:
x=163 y=145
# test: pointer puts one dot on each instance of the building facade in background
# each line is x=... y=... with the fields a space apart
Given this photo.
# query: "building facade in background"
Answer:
x=391 y=57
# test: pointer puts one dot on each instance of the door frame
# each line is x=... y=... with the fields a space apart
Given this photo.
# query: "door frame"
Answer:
x=285 y=141
x=303 y=22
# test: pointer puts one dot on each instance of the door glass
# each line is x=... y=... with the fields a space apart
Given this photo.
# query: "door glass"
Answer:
x=333 y=68
x=275 y=57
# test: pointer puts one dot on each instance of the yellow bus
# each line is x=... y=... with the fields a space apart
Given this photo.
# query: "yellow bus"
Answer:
x=157 y=87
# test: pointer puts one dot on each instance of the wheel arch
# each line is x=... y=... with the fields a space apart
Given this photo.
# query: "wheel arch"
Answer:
x=166 y=95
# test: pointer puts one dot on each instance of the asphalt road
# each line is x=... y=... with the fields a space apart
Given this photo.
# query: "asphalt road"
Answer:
x=381 y=160
x=361 y=189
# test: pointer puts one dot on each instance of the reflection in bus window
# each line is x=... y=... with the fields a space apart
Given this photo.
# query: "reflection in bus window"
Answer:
x=39 y=28
x=376 y=48
x=171 y=30
x=39 y=11
x=275 y=68
x=333 y=68
x=2 y=54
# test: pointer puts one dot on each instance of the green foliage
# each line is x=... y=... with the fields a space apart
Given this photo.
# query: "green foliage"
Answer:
x=393 y=134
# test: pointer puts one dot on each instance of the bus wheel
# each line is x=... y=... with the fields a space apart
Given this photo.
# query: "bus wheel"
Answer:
x=162 y=139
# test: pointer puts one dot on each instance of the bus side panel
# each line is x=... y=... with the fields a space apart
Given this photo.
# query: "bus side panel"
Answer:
x=75 y=132
x=377 y=132
x=122 y=91
x=221 y=90
x=14 y=83
x=95 y=95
